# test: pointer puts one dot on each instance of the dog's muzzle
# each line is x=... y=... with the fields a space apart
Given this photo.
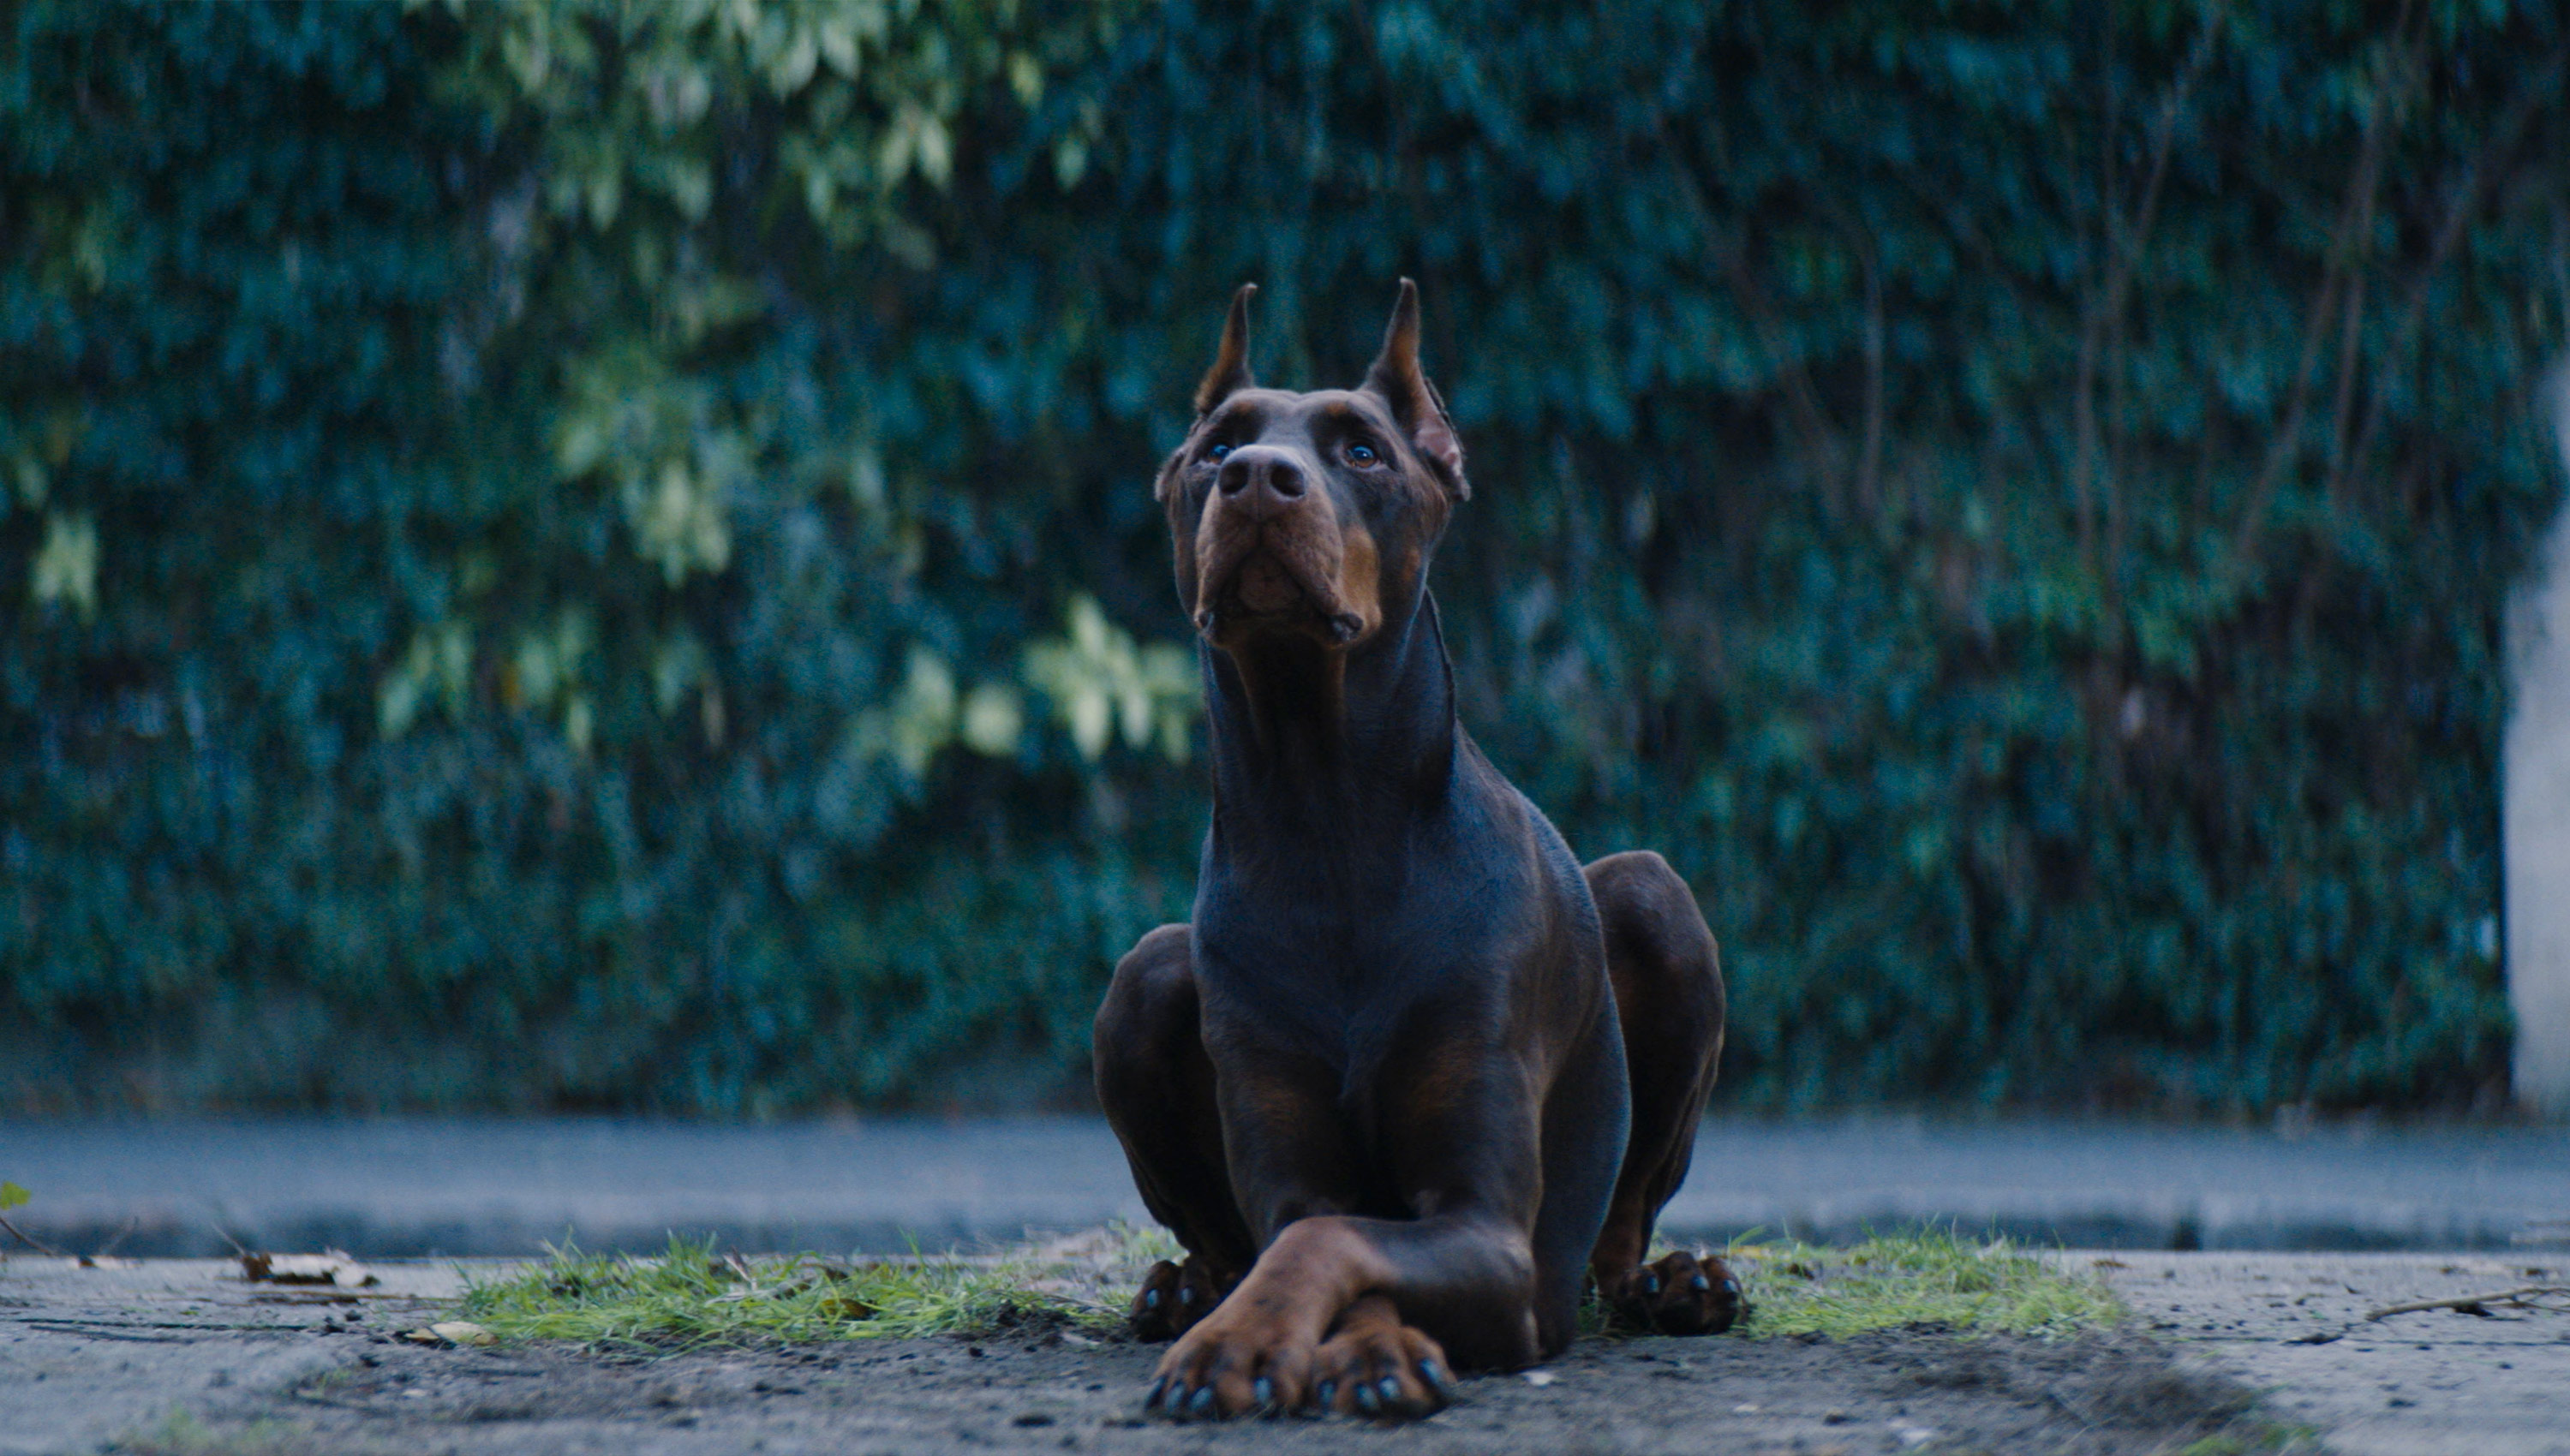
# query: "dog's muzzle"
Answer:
x=1268 y=548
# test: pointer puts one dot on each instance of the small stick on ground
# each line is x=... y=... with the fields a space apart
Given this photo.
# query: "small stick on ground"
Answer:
x=36 y=1244
x=2530 y=1296
x=112 y=1245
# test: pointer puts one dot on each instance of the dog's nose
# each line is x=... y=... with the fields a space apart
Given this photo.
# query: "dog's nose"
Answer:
x=1267 y=477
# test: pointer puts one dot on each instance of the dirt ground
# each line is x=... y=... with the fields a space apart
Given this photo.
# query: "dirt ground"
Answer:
x=1888 y=1393
x=180 y=1357
x=171 y=1358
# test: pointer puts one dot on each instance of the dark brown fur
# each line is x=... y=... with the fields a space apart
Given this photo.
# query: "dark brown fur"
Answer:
x=1410 y=1074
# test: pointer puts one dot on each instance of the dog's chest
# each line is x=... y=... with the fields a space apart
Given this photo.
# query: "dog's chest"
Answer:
x=1337 y=977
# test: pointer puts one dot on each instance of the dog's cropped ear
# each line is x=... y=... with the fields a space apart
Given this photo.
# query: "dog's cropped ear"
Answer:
x=1416 y=404
x=1230 y=372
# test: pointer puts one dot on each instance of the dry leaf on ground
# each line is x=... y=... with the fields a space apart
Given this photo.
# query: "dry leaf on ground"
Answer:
x=453 y=1332
x=332 y=1266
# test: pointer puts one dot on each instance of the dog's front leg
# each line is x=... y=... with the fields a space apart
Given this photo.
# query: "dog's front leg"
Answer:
x=1319 y=1323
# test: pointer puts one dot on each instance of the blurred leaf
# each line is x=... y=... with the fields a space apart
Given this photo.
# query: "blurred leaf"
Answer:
x=1099 y=681
x=66 y=565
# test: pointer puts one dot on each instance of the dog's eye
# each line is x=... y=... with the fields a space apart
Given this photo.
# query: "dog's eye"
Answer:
x=1217 y=453
x=1362 y=455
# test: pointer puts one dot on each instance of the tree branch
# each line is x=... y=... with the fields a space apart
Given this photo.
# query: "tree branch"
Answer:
x=1802 y=401
x=2538 y=86
x=2287 y=444
x=2125 y=260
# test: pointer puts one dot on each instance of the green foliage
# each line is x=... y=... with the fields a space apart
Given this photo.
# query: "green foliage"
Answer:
x=597 y=553
x=1924 y=1277
x=690 y=1296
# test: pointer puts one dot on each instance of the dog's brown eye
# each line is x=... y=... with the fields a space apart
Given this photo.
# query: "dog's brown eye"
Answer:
x=1362 y=455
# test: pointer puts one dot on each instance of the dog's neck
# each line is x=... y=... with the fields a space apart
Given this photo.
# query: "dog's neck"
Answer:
x=1307 y=741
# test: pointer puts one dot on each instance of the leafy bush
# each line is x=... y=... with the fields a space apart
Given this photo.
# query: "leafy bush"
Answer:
x=554 y=537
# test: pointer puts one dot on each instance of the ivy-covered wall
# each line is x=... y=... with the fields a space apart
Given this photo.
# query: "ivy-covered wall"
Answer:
x=599 y=554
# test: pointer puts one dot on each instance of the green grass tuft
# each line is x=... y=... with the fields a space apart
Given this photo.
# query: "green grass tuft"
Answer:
x=180 y=1433
x=1925 y=1278
x=692 y=1295
x=2259 y=1438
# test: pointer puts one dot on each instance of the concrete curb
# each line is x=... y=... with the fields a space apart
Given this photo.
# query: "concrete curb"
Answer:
x=410 y=1187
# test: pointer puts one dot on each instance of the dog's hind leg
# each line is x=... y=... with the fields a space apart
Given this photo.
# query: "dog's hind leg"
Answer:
x=1156 y=1084
x=1668 y=999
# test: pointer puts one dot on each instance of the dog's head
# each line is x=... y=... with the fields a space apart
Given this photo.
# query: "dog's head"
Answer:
x=1310 y=515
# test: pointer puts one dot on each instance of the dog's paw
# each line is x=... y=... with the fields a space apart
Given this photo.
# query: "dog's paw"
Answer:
x=1680 y=1294
x=1235 y=1363
x=1384 y=1372
x=1172 y=1299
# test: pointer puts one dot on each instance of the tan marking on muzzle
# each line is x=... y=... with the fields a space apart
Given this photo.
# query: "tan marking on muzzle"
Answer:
x=1264 y=570
x=1360 y=585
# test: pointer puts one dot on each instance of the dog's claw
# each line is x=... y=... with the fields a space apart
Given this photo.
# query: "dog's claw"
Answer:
x=1702 y=1284
x=1186 y=1296
x=1150 y=1299
x=1326 y=1394
x=1434 y=1377
x=1390 y=1389
x=1265 y=1390
x=1368 y=1399
x=1152 y=1400
x=1202 y=1404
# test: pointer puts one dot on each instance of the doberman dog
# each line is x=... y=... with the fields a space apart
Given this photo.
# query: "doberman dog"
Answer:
x=1410 y=1071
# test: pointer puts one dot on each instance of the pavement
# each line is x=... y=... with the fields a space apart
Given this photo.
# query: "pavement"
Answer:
x=413 y=1187
x=2428 y=1383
